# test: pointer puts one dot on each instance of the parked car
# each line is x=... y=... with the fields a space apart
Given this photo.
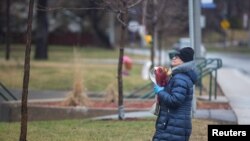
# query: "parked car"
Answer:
x=186 y=42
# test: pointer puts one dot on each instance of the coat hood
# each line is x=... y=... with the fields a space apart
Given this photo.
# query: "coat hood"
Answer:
x=189 y=68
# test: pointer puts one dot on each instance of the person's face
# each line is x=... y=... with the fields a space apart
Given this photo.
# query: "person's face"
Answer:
x=176 y=61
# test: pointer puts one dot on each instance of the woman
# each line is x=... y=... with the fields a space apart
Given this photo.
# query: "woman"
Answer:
x=174 y=121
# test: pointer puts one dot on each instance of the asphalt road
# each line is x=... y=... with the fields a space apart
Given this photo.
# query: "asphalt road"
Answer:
x=234 y=60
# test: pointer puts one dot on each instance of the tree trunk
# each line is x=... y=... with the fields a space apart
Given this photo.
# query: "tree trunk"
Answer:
x=7 y=38
x=24 y=109
x=143 y=23
x=41 y=52
x=155 y=44
x=124 y=18
x=2 y=24
x=96 y=21
x=144 y=12
x=155 y=34
x=160 y=48
x=111 y=33
x=102 y=35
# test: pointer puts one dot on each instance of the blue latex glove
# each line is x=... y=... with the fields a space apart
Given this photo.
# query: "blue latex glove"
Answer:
x=157 y=89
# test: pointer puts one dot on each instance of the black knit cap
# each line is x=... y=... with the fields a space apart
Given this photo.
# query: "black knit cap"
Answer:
x=186 y=54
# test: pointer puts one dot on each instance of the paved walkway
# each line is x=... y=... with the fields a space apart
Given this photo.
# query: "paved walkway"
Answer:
x=214 y=114
x=235 y=86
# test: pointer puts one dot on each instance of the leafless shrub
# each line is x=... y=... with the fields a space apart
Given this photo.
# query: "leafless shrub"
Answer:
x=111 y=94
x=77 y=97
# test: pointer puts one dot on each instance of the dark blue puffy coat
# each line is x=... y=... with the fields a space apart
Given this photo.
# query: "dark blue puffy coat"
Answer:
x=174 y=120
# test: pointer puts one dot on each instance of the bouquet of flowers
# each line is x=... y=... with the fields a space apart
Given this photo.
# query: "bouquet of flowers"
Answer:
x=159 y=76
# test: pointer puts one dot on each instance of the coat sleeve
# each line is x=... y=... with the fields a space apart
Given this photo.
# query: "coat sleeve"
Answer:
x=177 y=95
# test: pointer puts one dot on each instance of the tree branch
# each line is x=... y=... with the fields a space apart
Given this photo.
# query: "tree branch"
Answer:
x=120 y=20
x=134 y=4
x=69 y=8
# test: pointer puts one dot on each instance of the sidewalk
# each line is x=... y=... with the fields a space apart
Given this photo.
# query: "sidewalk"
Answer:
x=235 y=86
x=215 y=114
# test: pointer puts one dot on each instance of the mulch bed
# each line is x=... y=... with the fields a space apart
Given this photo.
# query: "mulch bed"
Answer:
x=212 y=105
x=137 y=104
x=127 y=104
x=140 y=104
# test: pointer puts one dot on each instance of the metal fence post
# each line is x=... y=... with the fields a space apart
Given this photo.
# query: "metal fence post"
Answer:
x=193 y=102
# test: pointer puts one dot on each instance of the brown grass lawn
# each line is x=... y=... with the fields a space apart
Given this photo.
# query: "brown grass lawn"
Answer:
x=91 y=130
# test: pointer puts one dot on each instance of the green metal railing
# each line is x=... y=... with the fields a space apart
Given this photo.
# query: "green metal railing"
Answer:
x=150 y=94
x=143 y=92
x=208 y=67
x=9 y=95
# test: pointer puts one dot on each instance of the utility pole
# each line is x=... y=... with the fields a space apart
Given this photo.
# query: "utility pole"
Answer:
x=195 y=26
x=195 y=35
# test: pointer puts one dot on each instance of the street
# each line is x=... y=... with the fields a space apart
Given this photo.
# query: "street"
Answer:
x=233 y=60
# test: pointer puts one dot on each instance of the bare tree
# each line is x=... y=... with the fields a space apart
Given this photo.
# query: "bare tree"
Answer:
x=122 y=14
x=96 y=18
x=143 y=29
x=71 y=12
x=124 y=17
x=162 y=16
x=41 y=51
x=2 y=3
x=24 y=109
x=7 y=38
x=121 y=9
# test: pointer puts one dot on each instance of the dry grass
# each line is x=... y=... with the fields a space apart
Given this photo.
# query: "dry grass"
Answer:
x=199 y=132
x=60 y=75
x=111 y=94
x=89 y=130
x=77 y=97
x=57 y=73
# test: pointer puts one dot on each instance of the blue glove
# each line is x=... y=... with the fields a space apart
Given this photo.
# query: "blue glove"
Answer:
x=157 y=89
